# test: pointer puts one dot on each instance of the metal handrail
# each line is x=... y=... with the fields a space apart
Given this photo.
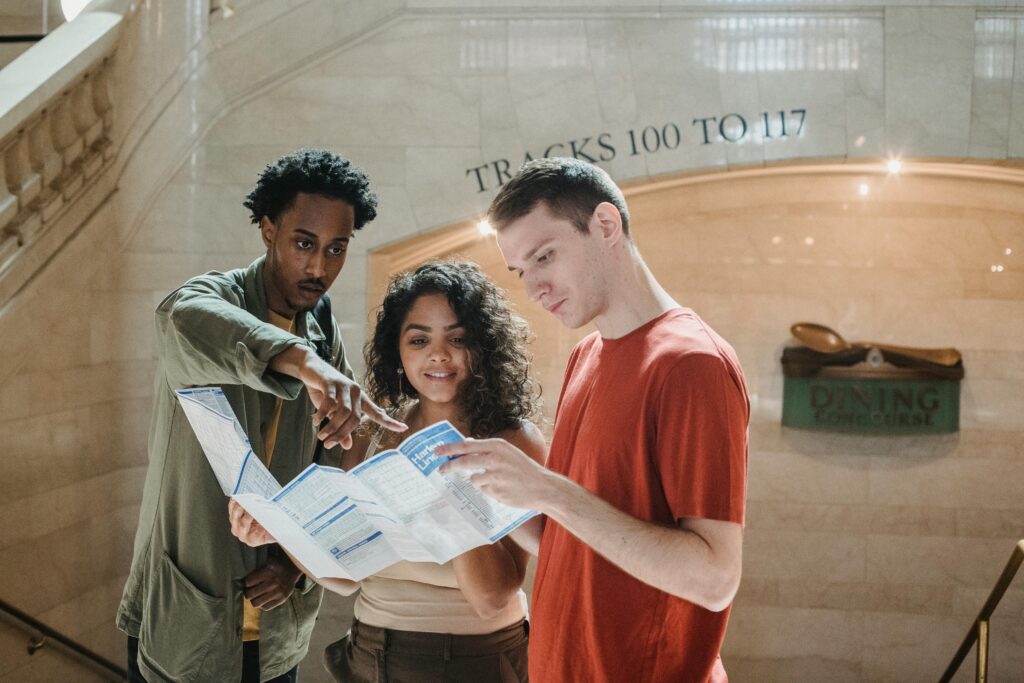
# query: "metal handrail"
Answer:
x=53 y=634
x=979 y=630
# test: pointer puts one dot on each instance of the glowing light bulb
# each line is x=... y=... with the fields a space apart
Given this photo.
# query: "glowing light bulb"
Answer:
x=484 y=228
x=894 y=166
x=863 y=189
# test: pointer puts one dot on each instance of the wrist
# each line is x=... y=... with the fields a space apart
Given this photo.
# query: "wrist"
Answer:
x=284 y=562
x=292 y=360
x=556 y=494
x=306 y=357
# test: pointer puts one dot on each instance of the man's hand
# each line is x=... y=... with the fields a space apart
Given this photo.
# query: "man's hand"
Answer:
x=271 y=585
x=245 y=528
x=701 y=560
x=337 y=399
x=504 y=472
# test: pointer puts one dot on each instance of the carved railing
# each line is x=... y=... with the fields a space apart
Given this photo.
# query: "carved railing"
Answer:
x=56 y=122
x=47 y=162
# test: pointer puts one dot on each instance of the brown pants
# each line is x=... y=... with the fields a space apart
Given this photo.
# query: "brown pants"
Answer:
x=368 y=654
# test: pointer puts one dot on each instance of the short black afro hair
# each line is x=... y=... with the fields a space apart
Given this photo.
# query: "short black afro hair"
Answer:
x=313 y=171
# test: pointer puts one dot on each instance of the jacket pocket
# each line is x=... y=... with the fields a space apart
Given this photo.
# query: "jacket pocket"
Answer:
x=305 y=606
x=179 y=623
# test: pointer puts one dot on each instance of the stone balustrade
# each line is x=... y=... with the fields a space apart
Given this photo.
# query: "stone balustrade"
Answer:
x=56 y=124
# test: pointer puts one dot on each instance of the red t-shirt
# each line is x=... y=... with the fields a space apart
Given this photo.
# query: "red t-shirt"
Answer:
x=655 y=423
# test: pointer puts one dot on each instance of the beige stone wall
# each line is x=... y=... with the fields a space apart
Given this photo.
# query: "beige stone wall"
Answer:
x=74 y=410
x=75 y=386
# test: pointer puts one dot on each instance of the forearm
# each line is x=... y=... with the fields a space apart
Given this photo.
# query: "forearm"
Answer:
x=527 y=535
x=341 y=586
x=489 y=577
x=204 y=339
x=292 y=360
x=676 y=560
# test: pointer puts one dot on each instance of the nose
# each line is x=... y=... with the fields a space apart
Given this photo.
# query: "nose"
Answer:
x=316 y=266
x=535 y=288
x=439 y=352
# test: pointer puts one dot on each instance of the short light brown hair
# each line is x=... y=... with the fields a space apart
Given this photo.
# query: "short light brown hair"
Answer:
x=570 y=189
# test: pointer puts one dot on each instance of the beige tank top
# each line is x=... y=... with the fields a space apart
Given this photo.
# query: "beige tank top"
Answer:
x=425 y=596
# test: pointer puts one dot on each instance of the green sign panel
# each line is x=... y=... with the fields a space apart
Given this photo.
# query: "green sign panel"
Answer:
x=878 y=406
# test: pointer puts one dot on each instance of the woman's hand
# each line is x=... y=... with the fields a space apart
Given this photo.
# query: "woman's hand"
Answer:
x=245 y=528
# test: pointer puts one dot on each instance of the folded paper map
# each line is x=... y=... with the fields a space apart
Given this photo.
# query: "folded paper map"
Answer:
x=395 y=506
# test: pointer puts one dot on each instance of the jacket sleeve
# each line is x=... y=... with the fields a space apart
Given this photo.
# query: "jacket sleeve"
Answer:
x=205 y=337
x=332 y=456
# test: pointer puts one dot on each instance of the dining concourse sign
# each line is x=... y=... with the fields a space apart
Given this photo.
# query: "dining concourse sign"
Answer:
x=862 y=389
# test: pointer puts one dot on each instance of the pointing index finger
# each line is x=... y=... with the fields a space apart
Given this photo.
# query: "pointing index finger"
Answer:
x=377 y=414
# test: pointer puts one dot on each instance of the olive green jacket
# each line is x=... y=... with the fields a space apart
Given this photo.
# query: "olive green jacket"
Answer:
x=183 y=597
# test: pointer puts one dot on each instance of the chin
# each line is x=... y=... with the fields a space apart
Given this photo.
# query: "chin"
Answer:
x=302 y=307
x=570 y=321
x=440 y=400
x=304 y=303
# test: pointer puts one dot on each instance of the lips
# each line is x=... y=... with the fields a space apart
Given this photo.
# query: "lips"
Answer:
x=554 y=307
x=316 y=290
x=439 y=375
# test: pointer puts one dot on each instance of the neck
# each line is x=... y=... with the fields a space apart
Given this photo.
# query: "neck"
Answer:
x=426 y=412
x=634 y=296
x=275 y=301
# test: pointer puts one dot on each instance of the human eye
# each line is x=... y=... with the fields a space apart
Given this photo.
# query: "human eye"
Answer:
x=337 y=249
x=417 y=341
x=546 y=256
x=457 y=340
x=304 y=244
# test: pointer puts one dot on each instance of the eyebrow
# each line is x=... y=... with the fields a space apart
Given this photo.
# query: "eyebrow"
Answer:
x=427 y=328
x=529 y=254
x=315 y=236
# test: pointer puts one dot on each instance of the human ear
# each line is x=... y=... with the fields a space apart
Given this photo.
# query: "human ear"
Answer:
x=267 y=231
x=607 y=221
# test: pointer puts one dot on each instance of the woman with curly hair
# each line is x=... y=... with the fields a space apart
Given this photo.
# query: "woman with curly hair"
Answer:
x=446 y=346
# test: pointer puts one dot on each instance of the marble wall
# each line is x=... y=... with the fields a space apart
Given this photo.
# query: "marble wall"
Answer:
x=866 y=558
x=461 y=101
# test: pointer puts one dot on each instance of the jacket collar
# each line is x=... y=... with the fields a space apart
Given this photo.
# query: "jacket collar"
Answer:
x=256 y=299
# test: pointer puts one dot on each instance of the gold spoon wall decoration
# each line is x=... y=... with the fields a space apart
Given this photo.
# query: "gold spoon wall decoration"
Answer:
x=826 y=340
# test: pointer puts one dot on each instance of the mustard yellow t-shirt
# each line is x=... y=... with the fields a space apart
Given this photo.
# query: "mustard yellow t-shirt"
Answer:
x=251 y=615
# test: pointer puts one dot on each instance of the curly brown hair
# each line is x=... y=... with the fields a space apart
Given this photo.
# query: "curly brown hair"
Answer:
x=500 y=392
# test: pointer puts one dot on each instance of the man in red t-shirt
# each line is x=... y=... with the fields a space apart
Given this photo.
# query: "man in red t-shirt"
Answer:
x=640 y=542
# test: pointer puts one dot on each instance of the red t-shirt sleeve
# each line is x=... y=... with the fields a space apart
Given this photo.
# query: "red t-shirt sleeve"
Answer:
x=701 y=442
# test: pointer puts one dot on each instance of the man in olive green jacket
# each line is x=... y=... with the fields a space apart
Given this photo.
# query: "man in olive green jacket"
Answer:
x=250 y=331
